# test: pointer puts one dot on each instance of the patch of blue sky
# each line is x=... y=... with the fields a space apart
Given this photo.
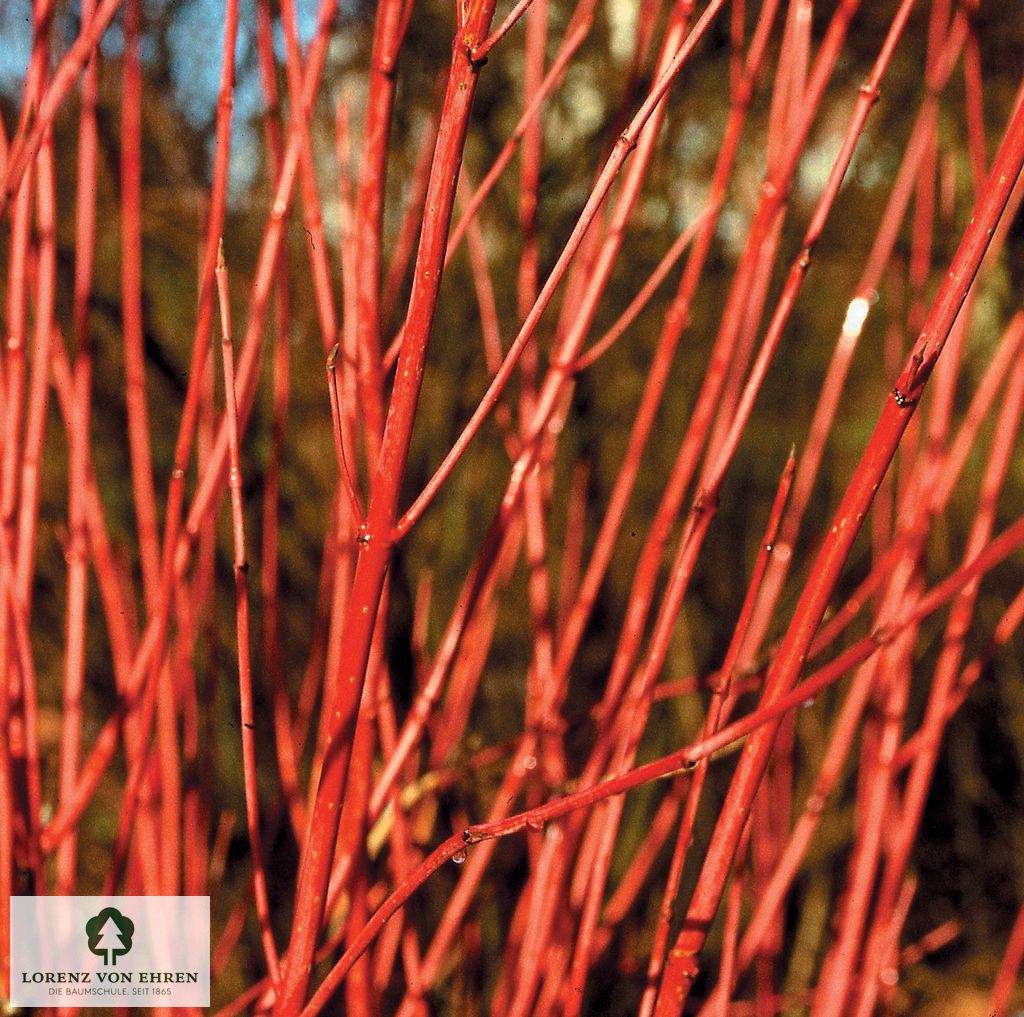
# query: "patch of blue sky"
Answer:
x=194 y=41
x=195 y=30
x=305 y=23
x=15 y=43
x=194 y=38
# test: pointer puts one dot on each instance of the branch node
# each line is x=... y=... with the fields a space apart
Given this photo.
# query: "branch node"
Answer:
x=475 y=56
x=870 y=91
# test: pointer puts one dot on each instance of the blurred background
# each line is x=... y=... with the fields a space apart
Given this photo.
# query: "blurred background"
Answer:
x=970 y=858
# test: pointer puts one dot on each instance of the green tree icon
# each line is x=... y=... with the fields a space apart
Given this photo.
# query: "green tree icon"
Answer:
x=110 y=935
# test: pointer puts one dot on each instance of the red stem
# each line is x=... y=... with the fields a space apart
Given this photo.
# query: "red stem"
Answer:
x=247 y=717
x=375 y=534
x=896 y=414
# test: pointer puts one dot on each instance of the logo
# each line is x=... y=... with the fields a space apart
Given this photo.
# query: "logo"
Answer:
x=110 y=935
x=110 y=951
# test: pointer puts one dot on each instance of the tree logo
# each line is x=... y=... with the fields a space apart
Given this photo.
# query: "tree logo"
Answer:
x=110 y=935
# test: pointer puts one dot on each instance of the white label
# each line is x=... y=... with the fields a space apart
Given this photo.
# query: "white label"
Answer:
x=110 y=951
